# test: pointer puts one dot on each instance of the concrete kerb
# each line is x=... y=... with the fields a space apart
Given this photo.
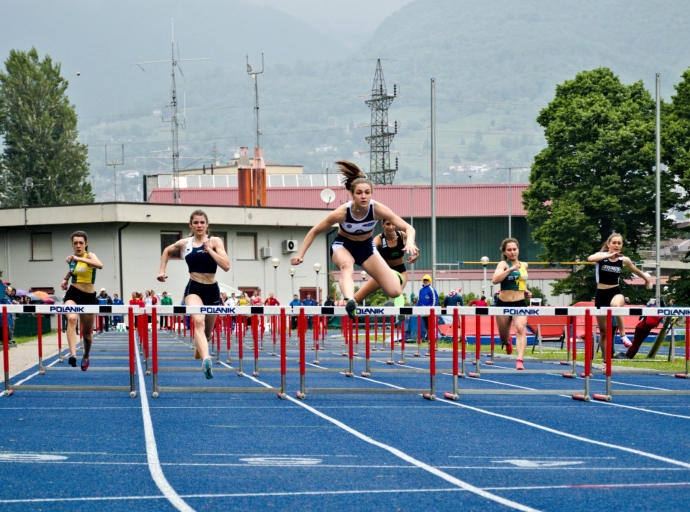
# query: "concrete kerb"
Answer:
x=25 y=355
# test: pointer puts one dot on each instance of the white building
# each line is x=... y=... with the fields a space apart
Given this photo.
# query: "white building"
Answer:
x=129 y=238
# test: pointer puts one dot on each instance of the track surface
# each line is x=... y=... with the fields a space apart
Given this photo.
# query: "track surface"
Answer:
x=210 y=451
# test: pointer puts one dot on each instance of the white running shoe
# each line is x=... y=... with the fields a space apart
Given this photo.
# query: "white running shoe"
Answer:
x=626 y=341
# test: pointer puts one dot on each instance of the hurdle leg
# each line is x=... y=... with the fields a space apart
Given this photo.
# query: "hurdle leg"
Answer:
x=588 y=358
x=60 y=358
x=477 y=348
x=367 y=372
x=274 y=327
x=351 y=353
x=240 y=345
x=493 y=335
x=402 y=340
x=686 y=375
x=132 y=350
x=607 y=359
x=283 y=357
x=463 y=348
x=6 y=351
x=454 y=395
x=39 y=320
x=301 y=327
x=392 y=359
x=432 y=357
x=315 y=333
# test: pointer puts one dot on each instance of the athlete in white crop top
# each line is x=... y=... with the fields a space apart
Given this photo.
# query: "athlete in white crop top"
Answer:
x=353 y=245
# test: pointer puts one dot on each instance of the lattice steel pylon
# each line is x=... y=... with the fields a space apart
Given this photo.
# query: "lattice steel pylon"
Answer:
x=380 y=171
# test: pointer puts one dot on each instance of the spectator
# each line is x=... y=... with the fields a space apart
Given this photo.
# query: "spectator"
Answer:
x=244 y=300
x=271 y=301
x=294 y=304
x=232 y=302
x=256 y=298
x=428 y=297
x=453 y=299
x=309 y=302
x=117 y=301
x=481 y=302
x=104 y=300
x=7 y=299
x=166 y=321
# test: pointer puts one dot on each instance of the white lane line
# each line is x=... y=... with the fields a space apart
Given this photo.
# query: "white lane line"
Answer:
x=571 y=436
x=152 y=451
x=584 y=487
x=407 y=458
x=558 y=432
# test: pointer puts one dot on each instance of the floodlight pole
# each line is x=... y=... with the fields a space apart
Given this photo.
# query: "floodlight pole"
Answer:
x=658 y=188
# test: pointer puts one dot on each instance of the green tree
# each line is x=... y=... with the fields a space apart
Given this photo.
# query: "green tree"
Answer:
x=596 y=174
x=39 y=128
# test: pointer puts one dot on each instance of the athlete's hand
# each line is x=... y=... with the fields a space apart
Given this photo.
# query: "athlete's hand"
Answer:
x=162 y=277
x=528 y=294
x=412 y=259
x=515 y=267
x=296 y=260
x=70 y=258
x=411 y=249
x=207 y=245
x=64 y=285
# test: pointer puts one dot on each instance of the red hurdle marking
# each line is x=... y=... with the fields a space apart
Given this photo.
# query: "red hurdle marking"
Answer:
x=477 y=347
x=301 y=322
x=588 y=357
x=367 y=348
x=686 y=375
x=39 y=320
x=6 y=351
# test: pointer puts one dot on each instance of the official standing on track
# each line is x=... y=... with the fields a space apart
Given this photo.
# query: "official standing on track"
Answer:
x=609 y=263
x=391 y=246
x=356 y=220
x=511 y=274
x=82 y=271
x=203 y=254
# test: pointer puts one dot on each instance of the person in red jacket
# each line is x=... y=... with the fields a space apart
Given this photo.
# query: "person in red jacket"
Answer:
x=481 y=302
x=271 y=301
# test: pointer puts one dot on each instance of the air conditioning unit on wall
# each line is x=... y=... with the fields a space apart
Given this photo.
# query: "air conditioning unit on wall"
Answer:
x=265 y=252
x=290 y=246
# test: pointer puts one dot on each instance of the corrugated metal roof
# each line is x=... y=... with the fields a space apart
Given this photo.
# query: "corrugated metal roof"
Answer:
x=405 y=200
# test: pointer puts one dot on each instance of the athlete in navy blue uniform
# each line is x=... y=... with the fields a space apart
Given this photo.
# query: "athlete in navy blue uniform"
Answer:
x=203 y=254
x=354 y=245
x=609 y=264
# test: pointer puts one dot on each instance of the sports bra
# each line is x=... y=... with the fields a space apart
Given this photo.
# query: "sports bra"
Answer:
x=198 y=260
x=389 y=253
x=353 y=226
x=608 y=272
x=82 y=272
x=515 y=280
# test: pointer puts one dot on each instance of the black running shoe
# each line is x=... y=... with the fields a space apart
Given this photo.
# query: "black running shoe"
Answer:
x=620 y=355
x=84 y=364
x=72 y=361
x=351 y=309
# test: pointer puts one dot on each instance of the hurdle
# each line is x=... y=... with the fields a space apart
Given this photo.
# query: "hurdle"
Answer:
x=608 y=366
x=43 y=309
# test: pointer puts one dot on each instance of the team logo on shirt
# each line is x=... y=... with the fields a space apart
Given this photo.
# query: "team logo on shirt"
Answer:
x=609 y=268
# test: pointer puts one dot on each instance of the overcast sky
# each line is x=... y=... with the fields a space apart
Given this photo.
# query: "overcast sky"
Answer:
x=346 y=20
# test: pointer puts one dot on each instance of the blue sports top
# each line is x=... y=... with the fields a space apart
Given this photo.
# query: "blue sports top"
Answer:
x=353 y=226
x=198 y=260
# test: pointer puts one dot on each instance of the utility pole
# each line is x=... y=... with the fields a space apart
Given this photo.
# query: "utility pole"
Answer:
x=174 y=122
x=433 y=180
x=254 y=75
x=114 y=164
x=381 y=137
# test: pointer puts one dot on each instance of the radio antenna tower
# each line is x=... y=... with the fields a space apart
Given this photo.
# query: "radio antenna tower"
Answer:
x=174 y=122
x=380 y=172
x=254 y=74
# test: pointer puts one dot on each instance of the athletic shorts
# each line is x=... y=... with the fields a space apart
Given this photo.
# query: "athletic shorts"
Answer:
x=603 y=298
x=399 y=268
x=80 y=298
x=208 y=293
x=360 y=251
x=510 y=304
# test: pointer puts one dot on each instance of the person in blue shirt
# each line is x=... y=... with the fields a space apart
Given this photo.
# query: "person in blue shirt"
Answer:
x=117 y=301
x=428 y=297
x=453 y=299
x=309 y=302
x=294 y=304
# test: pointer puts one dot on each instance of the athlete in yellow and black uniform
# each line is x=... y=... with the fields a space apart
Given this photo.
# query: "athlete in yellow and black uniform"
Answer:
x=511 y=274
x=82 y=273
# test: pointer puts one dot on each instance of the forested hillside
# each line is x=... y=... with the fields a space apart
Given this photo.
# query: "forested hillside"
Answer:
x=496 y=64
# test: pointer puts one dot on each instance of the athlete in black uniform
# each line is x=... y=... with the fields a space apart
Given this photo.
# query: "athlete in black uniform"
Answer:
x=609 y=264
x=391 y=246
x=203 y=254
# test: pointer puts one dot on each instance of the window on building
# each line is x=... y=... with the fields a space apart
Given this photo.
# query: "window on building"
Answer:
x=245 y=246
x=169 y=238
x=41 y=246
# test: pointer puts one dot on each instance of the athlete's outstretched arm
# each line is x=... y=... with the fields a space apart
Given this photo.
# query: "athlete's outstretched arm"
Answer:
x=177 y=246
x=335 y=217
x=629 y=264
